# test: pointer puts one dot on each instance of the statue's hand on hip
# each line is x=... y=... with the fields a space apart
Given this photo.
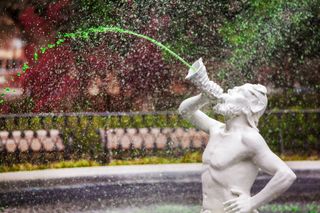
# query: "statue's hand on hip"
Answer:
x=242 y=204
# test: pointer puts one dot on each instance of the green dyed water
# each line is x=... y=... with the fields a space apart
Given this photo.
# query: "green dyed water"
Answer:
x=86 y=35
x=101 y=29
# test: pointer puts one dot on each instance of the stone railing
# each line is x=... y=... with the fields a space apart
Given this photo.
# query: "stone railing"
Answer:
x=118 y=135
x=28 y=140
x=146 y=140
x=153 y=138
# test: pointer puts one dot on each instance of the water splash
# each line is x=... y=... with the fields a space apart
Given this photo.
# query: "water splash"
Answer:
x=85 y=34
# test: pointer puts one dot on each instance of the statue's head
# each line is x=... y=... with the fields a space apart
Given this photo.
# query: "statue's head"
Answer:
x=248 y=99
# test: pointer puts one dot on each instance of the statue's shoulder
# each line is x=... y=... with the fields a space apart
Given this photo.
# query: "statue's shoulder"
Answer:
x=252 y=138
x=217 y=128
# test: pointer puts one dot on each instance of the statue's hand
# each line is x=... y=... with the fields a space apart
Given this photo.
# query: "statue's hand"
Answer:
x=205 y=98
x=241 y=204
x=198 y=76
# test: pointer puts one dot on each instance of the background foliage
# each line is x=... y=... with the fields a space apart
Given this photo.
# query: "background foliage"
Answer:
x=275 y=43
x=289 y=134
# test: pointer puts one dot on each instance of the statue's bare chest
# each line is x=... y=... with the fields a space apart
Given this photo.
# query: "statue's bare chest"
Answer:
x=224 y=149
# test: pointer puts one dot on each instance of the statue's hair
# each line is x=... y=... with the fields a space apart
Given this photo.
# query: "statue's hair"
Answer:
x=256 y=95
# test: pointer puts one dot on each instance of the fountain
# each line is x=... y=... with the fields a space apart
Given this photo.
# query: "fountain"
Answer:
x=235 y=151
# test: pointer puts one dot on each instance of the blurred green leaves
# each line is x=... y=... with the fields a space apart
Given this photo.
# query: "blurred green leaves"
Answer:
x=269 y=31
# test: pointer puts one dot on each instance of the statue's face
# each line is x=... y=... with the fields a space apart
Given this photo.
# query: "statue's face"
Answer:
x=232 y=103
x=248 y=99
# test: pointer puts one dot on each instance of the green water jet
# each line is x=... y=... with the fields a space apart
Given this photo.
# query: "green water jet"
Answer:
x=101 y=29
x=85 y=34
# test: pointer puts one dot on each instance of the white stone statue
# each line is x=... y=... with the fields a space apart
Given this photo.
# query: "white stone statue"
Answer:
x=235 y=151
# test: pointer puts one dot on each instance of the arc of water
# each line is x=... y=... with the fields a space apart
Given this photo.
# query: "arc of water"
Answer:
x=85 y=34
x=124 y=31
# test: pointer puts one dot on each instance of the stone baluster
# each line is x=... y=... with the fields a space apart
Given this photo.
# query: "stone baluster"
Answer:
x=28 y=135
x=4 y=135
x=48 y=144
x=55 y=137
x=161 y=140
x=35 y=144
x=136 y=138
x=148 y=138
x=42 y=136
x=11 y=145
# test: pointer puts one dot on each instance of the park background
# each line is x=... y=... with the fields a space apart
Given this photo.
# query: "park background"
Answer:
x=83 y=85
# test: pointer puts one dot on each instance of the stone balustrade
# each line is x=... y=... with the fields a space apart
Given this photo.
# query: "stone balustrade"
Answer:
x=28 y=140
x=152 y=138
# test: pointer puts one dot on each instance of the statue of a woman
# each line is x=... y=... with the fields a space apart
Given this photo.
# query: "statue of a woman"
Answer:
x=235 y=151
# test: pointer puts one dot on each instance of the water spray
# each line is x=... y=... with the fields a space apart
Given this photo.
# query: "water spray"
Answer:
x=85 y=34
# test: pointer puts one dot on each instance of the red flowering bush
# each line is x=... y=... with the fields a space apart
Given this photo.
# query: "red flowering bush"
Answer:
x=113 y=74
x=52 y=82
x=143 y=69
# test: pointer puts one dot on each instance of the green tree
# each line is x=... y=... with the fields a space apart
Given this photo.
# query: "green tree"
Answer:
x=283 y=35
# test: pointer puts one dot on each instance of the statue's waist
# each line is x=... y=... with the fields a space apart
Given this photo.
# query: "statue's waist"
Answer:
x=224 y=181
